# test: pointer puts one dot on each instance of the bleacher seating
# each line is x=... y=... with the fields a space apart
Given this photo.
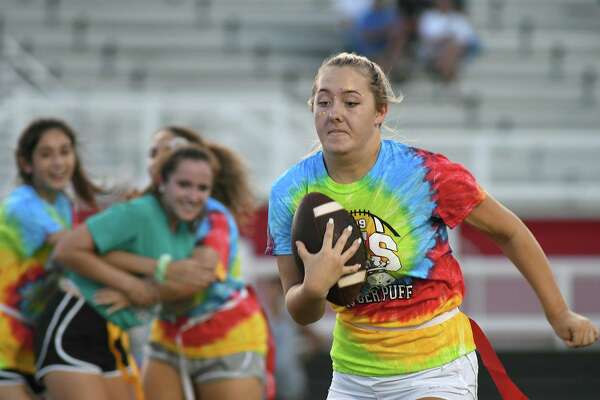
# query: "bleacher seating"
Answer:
x=536 y=72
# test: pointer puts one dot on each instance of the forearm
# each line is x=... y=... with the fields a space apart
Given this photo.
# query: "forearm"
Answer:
x=521 y=247
x=146 y=266
x=131 y=262
x=93 y=267
x=171 y=291
x=527 y=255
x=302 y=306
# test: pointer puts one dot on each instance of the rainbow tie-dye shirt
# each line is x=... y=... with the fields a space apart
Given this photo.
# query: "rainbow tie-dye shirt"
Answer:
x=403 y=207
x=26 y=220
x=223 y=319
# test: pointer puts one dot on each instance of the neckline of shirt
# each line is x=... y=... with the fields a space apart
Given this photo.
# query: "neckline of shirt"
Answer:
x=346 y=188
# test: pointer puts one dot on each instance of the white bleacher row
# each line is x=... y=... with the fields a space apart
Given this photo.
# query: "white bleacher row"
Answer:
x=544 y=14
x=162 y=25
x=162 y=47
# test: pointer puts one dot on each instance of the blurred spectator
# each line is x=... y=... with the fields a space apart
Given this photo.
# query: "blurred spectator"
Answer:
x=446 y=38
x=349 y=10
x=374 y=29
x=411 y=11
x=347 y=13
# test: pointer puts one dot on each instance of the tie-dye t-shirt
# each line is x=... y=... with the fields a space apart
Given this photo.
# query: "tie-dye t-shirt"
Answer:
x=223 y=319
x=26 y=220
x=219 y=231
x=403 y=207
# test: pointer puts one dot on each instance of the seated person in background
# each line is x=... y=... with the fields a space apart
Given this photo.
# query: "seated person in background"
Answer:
x=348 y=11
x=446 y=38
x=410 y=12
x=379 y=34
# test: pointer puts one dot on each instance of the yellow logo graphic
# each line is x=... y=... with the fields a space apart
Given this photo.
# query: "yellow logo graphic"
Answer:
x=382 y=249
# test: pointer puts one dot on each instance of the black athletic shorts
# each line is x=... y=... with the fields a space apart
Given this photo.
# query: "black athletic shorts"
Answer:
x=72 y=337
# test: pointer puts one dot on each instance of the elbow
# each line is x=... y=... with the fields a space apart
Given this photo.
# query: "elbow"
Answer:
x=305 y=316
x=72 y=246
x=303 y=308
x=66 y=252
x=61 y=253
x=508 y=238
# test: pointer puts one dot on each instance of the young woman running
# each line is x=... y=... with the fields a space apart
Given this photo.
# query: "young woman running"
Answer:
x=404 y=338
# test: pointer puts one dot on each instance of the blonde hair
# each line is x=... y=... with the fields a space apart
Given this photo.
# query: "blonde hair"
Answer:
x=378 y=81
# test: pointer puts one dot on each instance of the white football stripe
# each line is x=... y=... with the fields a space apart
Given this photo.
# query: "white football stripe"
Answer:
x=352 y=279
x=327 y=208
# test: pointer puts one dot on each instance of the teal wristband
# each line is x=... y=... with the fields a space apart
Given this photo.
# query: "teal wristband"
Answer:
x=160 y=272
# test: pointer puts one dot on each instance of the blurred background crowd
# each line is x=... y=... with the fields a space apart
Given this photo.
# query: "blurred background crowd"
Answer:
x=507 y=87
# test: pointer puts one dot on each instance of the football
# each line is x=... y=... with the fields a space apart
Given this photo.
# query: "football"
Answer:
x=308 y=226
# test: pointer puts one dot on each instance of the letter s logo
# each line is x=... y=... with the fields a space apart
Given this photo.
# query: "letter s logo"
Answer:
x=384 y=246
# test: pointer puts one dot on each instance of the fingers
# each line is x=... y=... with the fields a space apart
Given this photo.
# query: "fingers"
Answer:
x=147 y=296
x=112 y=298
x=577 y=336
x=116 y=307
x=583 y=335
x=302 y=252
x=350 y=269
x=590 y=337
x=106 y=296
x=341 y=242
x=102 y=300
x=346 y=255
x=328 y=236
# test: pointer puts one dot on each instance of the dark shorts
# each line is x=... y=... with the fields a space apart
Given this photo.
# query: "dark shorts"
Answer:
x=12 y=377
x=72 y=337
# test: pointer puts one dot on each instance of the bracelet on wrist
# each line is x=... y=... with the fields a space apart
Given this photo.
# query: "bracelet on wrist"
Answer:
x=160 y=272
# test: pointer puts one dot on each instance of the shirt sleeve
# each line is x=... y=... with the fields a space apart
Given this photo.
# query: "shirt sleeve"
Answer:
x=34 y=224
x=219 y=238
x=455 y=190
x=279 y=228
x=114 y=228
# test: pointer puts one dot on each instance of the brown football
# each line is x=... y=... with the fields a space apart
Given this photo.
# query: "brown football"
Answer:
x=308 y=226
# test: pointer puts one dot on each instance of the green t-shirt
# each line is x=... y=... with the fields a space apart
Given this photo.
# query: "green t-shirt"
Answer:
x=141 y=227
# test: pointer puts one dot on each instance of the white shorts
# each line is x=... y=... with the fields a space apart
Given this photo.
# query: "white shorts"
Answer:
x=456 y=380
